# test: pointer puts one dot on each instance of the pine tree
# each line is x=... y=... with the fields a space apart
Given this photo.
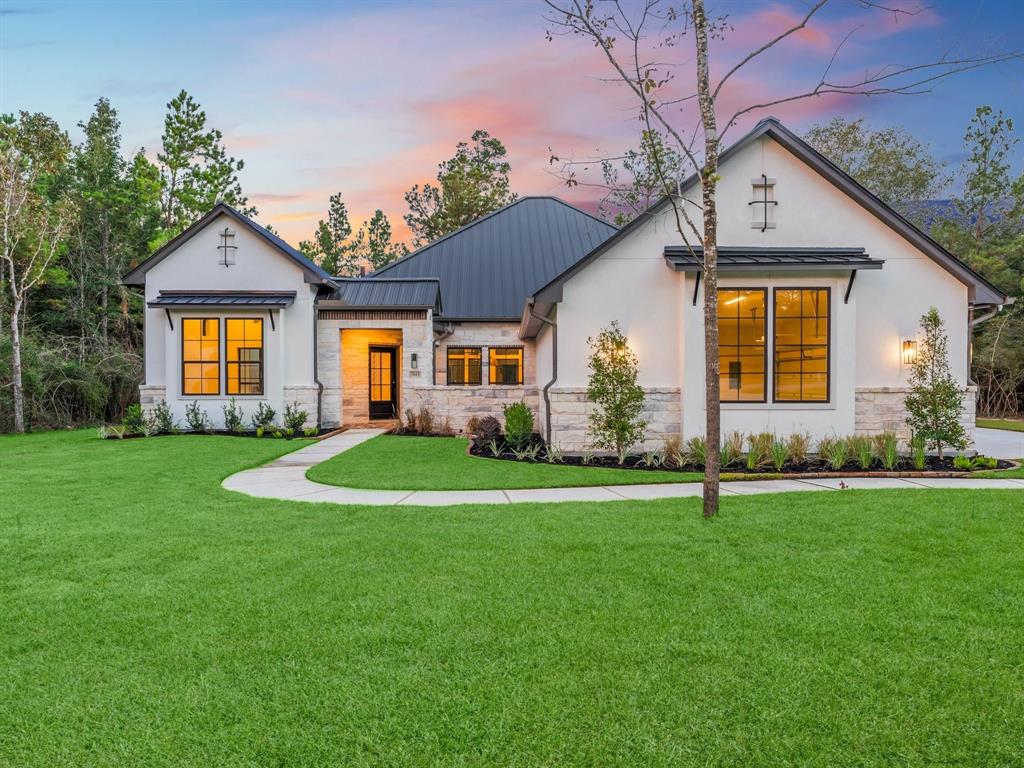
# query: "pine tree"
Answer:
x=935 y=401
x=196 y=169
x=380 y=251
x=333 y=246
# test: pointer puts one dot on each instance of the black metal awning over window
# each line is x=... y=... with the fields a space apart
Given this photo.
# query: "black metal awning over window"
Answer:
x=252 y=299
x=753 y=259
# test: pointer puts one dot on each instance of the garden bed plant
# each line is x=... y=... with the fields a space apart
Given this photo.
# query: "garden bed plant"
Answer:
x=756 y=454
x=262 y=424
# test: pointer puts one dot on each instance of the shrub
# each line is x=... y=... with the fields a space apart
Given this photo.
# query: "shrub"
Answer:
x=615 y=423
x=232 y=416
x=494 y=446
x=732 y=449
x=425 y=421
x=518 y=424
x=697 y=451
x=963 y=463
x=163 y=419
x=117 y=431
x=587 y=457
x=799 y=445
x=835 y=451
x=759 y=449
x=651 y=459
x=294 y=417
x=888 y=450
x=779 y=454
x=488 y=429
x=133 y=419
x=527 y=452
x=863 y=450
x=196 y=417
x=264 y=416
x=985 y=462
x=410 y=420
x=102 y=432
x=918 y=454
x=309 y=431
x=554 y=455
x=935 y=401
x=473 y=425
x=260 y=430
x=446 y=427
x=672 y=450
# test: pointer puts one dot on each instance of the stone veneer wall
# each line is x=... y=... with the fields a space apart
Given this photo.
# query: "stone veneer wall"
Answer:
x=570 y=411
x=304 y=398
x=882 y=409
x=417 y=337
x=150 y=396
x=459 y=404
x=486 y=335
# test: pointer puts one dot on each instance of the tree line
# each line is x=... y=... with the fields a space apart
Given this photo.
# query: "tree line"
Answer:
x=75 y=217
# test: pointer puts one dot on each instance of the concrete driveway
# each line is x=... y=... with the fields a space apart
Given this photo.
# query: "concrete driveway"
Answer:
x=1000 y=443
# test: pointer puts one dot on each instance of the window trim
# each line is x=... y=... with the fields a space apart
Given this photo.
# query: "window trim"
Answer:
x=263 y=356
x=764 y=399
x=522 y=366
x=828 y=344
x=184 y=362
x=447 y=366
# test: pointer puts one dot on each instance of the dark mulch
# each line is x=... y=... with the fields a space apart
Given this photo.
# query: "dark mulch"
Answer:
x=813 y=466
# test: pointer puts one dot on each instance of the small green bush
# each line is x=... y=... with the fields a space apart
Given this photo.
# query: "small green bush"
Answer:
x=835 y=451
x=887 y=449
x=732 y=449
x=780 y=454
x=759 y=450
x=133 y=420
x=196 y=417
x=264 y=417
x=963 y=463
x=163 y=419
x=309 y=432
x=518 y=424
x=697 y=451
x=294 y=417
x=863 y=450
x=799 y=445
x=918 y=454
x=232 y=416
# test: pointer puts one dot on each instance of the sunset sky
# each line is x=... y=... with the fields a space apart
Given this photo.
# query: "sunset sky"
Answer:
x=367 y=98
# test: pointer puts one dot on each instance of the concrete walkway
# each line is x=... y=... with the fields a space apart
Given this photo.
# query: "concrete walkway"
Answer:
x=285 y=479
x=1000 y=443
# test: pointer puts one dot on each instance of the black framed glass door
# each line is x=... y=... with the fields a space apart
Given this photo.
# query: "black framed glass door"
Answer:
x=383 y=382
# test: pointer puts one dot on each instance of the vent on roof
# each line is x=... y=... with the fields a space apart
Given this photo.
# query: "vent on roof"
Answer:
x=227 y=247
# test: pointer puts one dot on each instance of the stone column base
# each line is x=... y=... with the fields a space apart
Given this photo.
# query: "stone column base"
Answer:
x=883 y=409
x=305 y=396
x=150 y=396
x=570 y=417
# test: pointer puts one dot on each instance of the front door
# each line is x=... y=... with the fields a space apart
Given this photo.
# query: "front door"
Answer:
x=383 y=382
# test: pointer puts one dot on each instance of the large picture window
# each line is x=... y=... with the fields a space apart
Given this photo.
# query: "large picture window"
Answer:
x=200 y=356
x=464 y=366
x=742 y=345
x=244 y=355
x=802 y=320
x=506 y=365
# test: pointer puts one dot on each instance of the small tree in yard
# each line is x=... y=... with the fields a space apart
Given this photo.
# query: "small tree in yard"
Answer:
x=615 y=424
x=935 y=401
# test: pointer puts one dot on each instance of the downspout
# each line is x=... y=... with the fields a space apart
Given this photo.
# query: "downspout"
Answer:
x=316 y=362
x=554 y=371
x=449 y=329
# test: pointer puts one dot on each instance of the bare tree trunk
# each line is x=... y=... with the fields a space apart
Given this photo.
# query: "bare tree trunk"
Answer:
x=709 y=183
x=17 y=387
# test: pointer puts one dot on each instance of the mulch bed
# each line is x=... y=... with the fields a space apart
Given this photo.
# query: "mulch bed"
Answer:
x=268 y=435
x=810 y=469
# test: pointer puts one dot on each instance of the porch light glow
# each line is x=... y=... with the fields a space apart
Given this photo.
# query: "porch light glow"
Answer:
x=909 y=351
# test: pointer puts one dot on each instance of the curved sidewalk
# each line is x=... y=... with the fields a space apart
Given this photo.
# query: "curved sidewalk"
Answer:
x=286 y=479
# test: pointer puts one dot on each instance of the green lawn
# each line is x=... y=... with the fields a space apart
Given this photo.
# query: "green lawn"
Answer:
x=440 y=464
x=1014 y=425
x=148 y=617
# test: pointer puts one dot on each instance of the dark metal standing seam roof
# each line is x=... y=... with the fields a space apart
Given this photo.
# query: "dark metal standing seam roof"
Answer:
x=739 y=258
x=385 y=293
x=488 y=268
x=269 y=299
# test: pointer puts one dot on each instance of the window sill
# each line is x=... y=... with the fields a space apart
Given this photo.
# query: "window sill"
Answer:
x=778 y=406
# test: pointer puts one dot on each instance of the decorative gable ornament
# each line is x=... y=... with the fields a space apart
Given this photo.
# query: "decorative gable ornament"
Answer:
x=227 y=247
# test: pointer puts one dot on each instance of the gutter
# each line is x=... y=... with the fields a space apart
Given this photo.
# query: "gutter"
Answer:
x=554 y=369
x=996 y=309
x=449 y=329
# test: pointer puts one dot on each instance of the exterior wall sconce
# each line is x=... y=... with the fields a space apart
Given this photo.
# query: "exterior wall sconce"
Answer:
x=909 y=351
x=415 y=361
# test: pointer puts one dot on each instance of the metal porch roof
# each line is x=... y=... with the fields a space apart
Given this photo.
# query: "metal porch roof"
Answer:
x=264 y=299
x=753 y=259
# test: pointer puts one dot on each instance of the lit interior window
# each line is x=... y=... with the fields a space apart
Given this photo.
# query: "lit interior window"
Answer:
x=464 y=365
x=244 y=353
x=801 y=344
x=200 y=356
x=506 y=365
x=742 y=346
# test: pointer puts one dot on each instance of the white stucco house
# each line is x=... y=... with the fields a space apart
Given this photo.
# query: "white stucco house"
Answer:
x=821 y=287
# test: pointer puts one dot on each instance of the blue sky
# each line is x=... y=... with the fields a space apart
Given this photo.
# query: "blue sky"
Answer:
x=367 y=98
